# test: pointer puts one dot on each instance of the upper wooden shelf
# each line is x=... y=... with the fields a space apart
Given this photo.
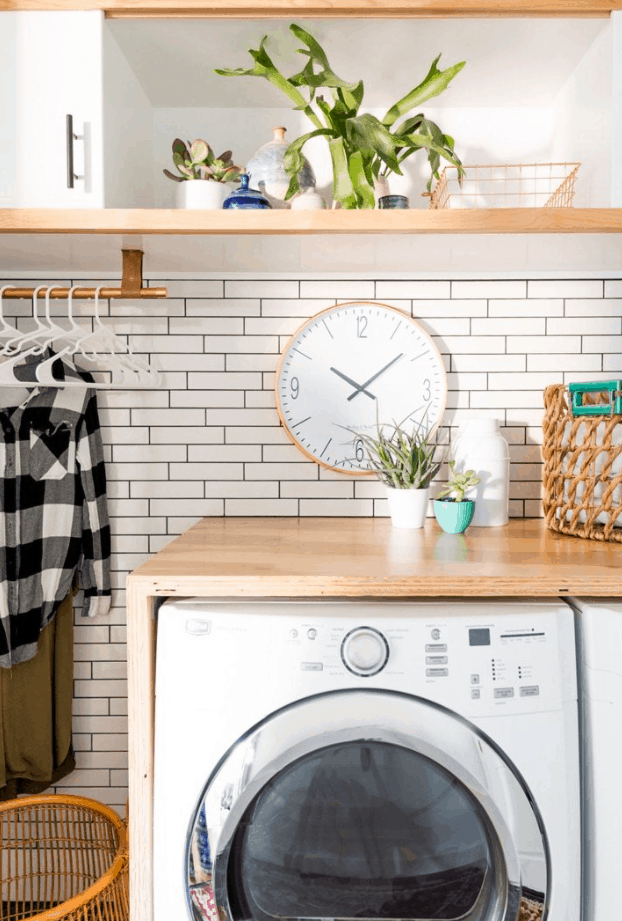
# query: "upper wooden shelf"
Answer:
x=172 y=221
x=257 y=9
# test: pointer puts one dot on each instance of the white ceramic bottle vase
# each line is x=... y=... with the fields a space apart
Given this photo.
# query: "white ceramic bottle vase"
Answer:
x=480 y=446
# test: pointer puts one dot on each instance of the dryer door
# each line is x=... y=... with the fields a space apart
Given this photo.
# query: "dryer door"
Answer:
x=363 y=804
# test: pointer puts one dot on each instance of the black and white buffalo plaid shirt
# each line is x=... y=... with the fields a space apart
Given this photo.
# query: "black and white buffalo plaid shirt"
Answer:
x=53 y=513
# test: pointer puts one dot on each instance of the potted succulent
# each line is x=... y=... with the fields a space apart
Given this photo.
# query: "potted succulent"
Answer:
x=454 y=513
x=363 y=148
x=203 y=176
x=405 y=461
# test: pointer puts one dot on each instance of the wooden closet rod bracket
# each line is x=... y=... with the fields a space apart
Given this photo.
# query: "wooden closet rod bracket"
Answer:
x=132 y=285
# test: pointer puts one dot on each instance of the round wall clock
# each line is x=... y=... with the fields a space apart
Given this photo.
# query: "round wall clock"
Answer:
x=348 y=369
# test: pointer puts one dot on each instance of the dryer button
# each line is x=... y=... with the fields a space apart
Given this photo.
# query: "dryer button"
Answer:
x=436 y=660
x=530 y=691
x=311 y=666
x=504 y=692
x=437 y=672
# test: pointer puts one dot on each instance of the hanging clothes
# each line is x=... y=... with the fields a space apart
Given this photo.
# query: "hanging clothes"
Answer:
x=35 y=712
x=53 y=512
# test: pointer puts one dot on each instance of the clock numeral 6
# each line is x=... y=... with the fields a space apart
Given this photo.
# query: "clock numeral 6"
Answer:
x=294 y=386
x=358 y=449
x=427 y=390
x=361 y=326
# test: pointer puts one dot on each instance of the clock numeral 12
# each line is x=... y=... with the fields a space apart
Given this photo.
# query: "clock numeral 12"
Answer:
x=361 y=326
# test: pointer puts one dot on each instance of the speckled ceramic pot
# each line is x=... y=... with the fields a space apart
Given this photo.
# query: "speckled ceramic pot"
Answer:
x=266 y=168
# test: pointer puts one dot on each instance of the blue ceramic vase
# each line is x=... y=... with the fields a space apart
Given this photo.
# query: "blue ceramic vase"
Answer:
x=454 y=517
x=245 y=198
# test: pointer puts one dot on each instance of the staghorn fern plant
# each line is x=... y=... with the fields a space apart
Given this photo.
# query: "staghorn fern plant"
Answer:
x=362 y=147
x=197 y=161
x=401 y=458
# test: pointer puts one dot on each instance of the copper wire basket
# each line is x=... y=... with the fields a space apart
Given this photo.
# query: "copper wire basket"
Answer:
x=64 y=858
x=521 y=185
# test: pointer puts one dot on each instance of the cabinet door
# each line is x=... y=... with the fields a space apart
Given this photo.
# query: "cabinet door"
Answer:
x=51 y=67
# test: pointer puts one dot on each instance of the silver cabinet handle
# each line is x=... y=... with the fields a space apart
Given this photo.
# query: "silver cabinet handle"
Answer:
x=71 y=137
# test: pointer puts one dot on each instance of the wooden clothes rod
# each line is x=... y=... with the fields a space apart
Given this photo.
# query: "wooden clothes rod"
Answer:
x=85 y=293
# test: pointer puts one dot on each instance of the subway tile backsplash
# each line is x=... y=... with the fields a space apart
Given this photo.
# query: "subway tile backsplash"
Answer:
x=209 y=442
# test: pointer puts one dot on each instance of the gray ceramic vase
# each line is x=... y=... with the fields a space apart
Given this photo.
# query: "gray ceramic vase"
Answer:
x=266 y=168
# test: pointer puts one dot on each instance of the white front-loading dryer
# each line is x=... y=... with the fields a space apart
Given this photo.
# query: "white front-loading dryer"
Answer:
x=366 y=760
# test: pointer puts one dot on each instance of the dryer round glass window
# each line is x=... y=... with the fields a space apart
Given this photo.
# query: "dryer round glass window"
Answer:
x=365 y=804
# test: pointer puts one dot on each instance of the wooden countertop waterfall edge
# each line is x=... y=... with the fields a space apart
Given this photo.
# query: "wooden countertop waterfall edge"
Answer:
x=339 y=558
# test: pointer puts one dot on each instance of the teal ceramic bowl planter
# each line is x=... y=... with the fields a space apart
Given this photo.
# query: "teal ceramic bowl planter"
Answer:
x=454 y=517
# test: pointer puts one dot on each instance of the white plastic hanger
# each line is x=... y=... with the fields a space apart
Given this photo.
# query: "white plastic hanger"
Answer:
x=6 y=330
x=16 y=345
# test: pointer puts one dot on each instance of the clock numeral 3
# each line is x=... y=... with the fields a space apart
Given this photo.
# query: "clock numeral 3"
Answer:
x=294 y=387
x=427 y=390
x=361 y=326
x=358 y=450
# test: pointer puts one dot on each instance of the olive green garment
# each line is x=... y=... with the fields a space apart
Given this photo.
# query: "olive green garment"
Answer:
x=35 y=711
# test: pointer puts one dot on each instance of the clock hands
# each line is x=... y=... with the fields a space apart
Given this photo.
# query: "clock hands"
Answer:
x=349 y=380
x=360 y=388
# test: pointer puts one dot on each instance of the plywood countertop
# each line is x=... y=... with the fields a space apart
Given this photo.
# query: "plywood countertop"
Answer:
x=300 y=557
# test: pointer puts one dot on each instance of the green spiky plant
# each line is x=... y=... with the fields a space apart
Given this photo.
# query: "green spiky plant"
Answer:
x=458 y=484
x=197 y=161
x=401 y=458
x=362 y=147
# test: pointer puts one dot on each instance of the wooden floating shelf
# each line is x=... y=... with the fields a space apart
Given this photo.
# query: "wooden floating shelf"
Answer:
x=171 y=221
x=326 y=9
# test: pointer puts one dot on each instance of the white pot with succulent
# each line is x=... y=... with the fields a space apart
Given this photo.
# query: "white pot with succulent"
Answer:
x=405 y=461
x=203 y=177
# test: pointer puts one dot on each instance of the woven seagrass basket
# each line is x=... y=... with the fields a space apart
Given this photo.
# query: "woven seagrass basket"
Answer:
x=582 y=469
x=64 y=858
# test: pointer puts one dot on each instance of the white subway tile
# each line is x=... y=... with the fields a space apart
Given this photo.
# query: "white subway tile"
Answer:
x=231 y=307
x=151 y=454
x=128 y=508
x=102 y=760
x=526 y=307
x=295 y=308
x=191 y=287
x=137 y=326
x=594 y=307
x=159 y=541
x=100 y=689
x=189 y=507
x=526 y=472
x=118 y=634
x=207 y=471
x=126 y=562
x=156 y=344
x=110 y=669
x=268 y=507
x=241 y=344
x=341 y=290
x=119 y=778
x=207 y=326
x=127 y=544
x=508 y=326
x=528 y=417
x=90 y=633
x=465 y=381
x=613 y=363
x=142 y=471
x=229 y=380
x=516 y=508
x=415 y=290
x=369 y=489
x=308 y=471
x=603 y=344
x=229 y=417
x=152 y=307
x=442 y=326
x=159 y=417
x=271 y=326
x=525 y=490
x=533 y=508
x=319 y=489
x=563 y=362
x=261 y=289
x=535 y=380
x=99 y=652
x=178 y=526
x=565 y=288
x=224 y=454
x=118 y=706
x=85 y=778
x=489 y=289
x=187 y=435
x=283 y=454
x=208 y=398
x=613 y=287
x=471 y=345
x=252 y=362
x=498 y=399
x=530 y=344
x=100 y=723
x=90 y=706
x=113 y=417
x=525 y=453
x=167 y=490
x=260 y=399
x=449 y=308
x=256 y=435
x=330 y=508
x=103 y=742
x=227 y=489
x=488 y=363
x=81 y=743
x=117 y=489
x=569 y=326
x=183 y=362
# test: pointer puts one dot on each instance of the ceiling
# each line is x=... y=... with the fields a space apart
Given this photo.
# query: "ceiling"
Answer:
x=517 y=62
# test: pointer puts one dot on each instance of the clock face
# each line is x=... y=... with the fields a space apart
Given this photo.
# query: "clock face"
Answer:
x=352 y=367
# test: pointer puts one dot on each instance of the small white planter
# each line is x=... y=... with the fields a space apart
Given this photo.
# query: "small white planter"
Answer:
x=408 y=507
x=201 y=194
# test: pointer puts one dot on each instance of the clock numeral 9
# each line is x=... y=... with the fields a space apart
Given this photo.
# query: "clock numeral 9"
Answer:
x=358 y=450
x=427 y=390
x=361 y=326
x=294 y=386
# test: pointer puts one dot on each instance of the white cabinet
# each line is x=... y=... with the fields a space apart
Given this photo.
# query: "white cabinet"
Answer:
x=51 y=67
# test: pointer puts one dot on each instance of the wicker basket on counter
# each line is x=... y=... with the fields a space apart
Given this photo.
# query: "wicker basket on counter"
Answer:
x=64 y=858
x=518 y=185
x=582 y=468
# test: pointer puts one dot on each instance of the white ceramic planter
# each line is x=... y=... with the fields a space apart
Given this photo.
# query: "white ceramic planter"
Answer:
x=408 y=507
x=201 y=194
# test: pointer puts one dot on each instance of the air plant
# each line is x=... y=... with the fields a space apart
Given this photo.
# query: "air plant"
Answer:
x=401 y=458
x=458 y=484
x=362 y=147
x=197 y=161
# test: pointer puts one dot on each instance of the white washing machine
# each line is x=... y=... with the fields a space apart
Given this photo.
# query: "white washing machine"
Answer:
x=599 y=648
x=390 y=760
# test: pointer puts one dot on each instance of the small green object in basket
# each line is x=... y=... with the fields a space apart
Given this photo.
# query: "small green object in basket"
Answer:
x=612 y=408
x=455 y=515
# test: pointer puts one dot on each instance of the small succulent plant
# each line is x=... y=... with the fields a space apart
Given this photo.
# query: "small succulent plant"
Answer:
x=195 y=160
x=459 y=483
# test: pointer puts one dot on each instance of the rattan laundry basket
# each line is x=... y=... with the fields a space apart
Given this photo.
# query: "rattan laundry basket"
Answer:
x=582 y=469
x=63 y=857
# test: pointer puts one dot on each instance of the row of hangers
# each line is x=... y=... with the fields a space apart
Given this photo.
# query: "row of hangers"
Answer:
x=99 y=351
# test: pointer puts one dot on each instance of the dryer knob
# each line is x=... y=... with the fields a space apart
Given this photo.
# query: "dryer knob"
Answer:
x=365 y=651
